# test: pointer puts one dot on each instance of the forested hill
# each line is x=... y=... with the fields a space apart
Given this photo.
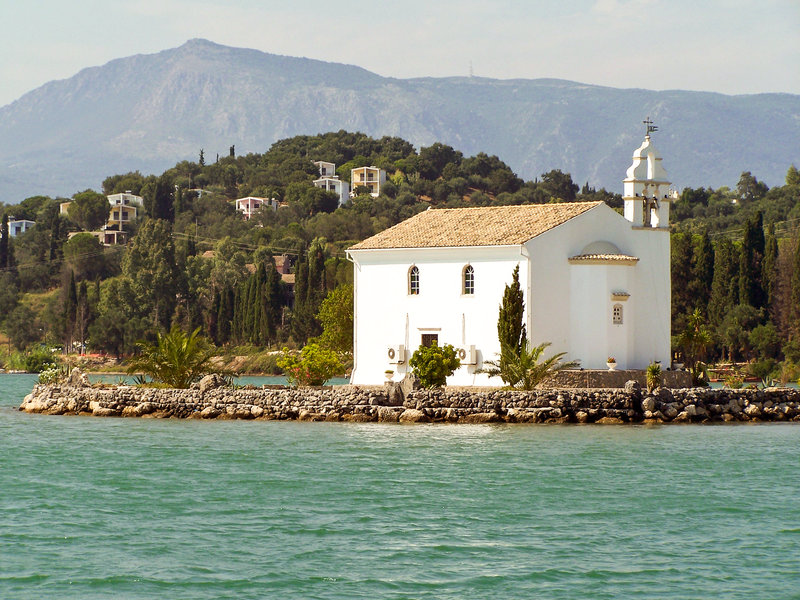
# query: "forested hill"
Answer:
x=192 y=260
x=147 y=112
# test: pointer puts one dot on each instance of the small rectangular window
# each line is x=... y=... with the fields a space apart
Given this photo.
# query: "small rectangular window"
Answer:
x=429 y=339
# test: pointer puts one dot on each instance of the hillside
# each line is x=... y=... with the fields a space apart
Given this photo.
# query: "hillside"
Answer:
x=147 y=112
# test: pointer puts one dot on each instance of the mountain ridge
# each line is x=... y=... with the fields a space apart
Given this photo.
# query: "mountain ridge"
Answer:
x=149 y=111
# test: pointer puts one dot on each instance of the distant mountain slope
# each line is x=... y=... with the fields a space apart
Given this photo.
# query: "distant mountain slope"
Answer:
x=149 y=111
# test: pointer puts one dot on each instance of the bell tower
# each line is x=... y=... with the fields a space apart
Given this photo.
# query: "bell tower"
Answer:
x=646 y=192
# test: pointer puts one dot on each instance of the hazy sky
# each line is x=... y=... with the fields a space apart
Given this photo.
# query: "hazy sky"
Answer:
x=729 y=46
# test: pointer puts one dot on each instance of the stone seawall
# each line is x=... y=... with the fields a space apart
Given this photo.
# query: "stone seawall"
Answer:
x=390 y=404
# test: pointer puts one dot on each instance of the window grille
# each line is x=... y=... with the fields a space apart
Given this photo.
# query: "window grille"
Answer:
x=617 y=314
x=469 y=280
x=413 y=281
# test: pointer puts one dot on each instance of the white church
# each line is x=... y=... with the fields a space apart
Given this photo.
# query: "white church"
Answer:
x=596 y=283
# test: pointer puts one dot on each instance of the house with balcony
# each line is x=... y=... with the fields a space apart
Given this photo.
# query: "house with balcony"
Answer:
x=249 y=205
x=371 y=177
x=330 y=182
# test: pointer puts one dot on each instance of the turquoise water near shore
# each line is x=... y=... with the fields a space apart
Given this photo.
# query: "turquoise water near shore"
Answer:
x=144 y=508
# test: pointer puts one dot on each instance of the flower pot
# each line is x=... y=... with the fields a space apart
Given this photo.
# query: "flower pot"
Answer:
x=611 y=366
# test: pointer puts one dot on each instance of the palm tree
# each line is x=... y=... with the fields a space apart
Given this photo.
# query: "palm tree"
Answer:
x=175 y=359
x=524 y=370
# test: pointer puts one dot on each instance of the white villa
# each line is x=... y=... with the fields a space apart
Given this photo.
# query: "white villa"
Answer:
x=595 y=283
x=249 y=205
x=330 y=182
x=371 y=177
x=124 y=211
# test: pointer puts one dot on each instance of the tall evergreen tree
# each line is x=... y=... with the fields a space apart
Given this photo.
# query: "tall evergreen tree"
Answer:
x=769 y=267
x=751 y=290
x=511 y=319
x=681 y=274
x=70 y=312
x=794 y=311
x=702 y=272
x=725 y=285
x=4 y=243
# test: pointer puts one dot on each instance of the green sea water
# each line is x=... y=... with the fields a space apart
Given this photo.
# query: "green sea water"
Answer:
x=141 y=508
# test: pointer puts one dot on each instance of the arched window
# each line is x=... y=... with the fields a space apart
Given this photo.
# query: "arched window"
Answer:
x=468 y=280
x=617 y=314
x=413 y=281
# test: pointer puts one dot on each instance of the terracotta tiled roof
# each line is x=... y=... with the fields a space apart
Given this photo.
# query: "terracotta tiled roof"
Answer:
x=485 y=226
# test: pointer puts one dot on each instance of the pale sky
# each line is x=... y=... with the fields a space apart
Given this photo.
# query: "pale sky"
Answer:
x=728 y=46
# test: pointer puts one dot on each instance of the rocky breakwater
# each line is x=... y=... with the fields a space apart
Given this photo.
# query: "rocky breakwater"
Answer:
x=211 y=400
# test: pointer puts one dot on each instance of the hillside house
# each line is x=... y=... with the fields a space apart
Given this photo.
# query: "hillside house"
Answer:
x=251 y=204
x=371 y=177
x=330 y=182
x=595 y=283
x=18 y=226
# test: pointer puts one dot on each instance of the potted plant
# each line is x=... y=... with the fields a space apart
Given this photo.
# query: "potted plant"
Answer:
x=611 y=363
x=389 y=374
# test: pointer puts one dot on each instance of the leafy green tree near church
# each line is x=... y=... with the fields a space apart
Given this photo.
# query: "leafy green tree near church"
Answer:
x=89 y=210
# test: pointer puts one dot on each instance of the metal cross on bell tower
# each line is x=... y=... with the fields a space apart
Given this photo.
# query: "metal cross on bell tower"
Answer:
x=650 y=126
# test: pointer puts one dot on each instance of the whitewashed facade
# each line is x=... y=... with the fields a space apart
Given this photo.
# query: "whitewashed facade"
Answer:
x=250 y=205
x=596 y=284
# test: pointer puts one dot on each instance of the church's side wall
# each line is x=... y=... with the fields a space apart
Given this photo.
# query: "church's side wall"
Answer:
x=387 y=315
x=653 y=306
x=566 y=313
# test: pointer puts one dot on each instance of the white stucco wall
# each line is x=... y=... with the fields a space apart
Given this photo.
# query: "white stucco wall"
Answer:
x=571 y=305
x=386 y=315
x=568 y=305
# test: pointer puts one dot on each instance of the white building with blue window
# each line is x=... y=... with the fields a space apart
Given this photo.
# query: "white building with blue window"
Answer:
x=596 y=283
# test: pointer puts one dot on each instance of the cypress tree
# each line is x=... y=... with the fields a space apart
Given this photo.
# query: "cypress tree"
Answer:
x=751 y=290
x=253 y=310
x=70 y=312
x=702 y=272
x=211 y=317
x=4 y=243
x=511 y=318
x=795 y=291
x=681 y=275
x=273 y=298
x=55 y=233
x=769 y=267
x=725 y=285
x=224 y=317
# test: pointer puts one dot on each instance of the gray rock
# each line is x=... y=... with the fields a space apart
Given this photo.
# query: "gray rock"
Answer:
x=78 y=378
x=413 y=415
x=210 y=382
x=648 y=404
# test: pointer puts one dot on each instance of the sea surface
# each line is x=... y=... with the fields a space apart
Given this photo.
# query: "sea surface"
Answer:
x=96 y=508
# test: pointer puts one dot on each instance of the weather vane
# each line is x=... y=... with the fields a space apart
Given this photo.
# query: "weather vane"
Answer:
x=650 y=127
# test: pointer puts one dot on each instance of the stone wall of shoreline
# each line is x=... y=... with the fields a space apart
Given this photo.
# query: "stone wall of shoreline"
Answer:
x=390 y=404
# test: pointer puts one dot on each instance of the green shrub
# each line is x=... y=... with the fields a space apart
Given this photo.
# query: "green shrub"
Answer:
x=314 y=365
x=764 y=370
x=54 y=374
x=433 y=365
x=527 y=368
x=39 y=359
x=176 y=359
x=654 y=376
